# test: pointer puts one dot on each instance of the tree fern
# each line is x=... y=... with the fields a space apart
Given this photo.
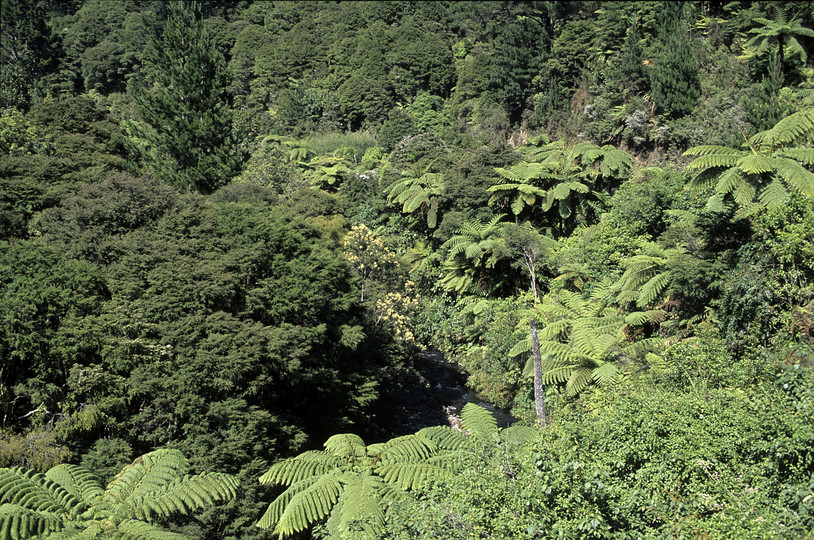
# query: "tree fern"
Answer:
x=478 y=421
x=584 y=342
x=348 y=481
x=69 y=502
x=761 y=175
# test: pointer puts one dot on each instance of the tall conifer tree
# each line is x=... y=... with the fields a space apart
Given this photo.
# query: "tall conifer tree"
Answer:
x=184 y=105
x=675 y=83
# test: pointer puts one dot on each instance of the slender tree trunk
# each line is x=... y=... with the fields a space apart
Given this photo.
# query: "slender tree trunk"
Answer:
x=538 y=375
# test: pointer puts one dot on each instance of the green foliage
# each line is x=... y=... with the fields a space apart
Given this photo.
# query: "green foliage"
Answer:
x=71 y=499
x=182 y=100
x=349 y=483
x=776 y=161
x=585 y=341
x=675 y=84
x=782 y=33
x=420 y=190
x=471 y=253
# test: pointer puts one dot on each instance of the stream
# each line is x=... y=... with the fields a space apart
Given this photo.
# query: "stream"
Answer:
x=438 y=394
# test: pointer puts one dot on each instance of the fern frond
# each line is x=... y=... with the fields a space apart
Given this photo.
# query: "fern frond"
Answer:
x=309 y=505
x=305 y=465
x=521 y=347
x=147 y=474
x=712 y=150
x=729 y=180
x=559 y=351
x=578 y=381
x=606 y=374
x=34 y=491
x=77 y=480
x=558 y=374
x=185 y=495
x=803 y=155
x=744 y=193
x=651 y=290
x=17 y=521
x=747 y=210
x=774 y=195
x=793 y=129
x=796 y=176
x=717 y=204
x=552 y=331
x=275 y=510
x=131 y=529
x=518 y=434
x=360 y=504
x=444 y=437
x=345 y=444
x=755 y=164
x=410 y=476
x=407 y=447
x=478 y=420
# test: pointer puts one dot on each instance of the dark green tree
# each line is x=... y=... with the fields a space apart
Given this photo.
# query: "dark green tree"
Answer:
x=521 y=50
x=27 y=51
x=674 y=79
x=629 y=71
x=185 y=135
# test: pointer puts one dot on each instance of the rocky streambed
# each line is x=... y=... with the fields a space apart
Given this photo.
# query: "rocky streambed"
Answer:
x=435 y=394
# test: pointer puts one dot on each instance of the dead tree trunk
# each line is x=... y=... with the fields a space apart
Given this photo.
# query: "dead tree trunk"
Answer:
x=539 y=404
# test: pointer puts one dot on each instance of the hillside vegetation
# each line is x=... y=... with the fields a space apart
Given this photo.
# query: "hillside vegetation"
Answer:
x=229 y=228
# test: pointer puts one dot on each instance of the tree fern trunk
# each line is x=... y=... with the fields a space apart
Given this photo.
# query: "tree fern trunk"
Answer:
x=538 y=375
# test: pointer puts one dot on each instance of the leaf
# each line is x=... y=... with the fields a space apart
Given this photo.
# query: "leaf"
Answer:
x=305 y=465
x=309 y=505
x=147 y=474
x=77 y=480
x=478 y=420
x=345 y=444
x=755 y=164
x=774 y=195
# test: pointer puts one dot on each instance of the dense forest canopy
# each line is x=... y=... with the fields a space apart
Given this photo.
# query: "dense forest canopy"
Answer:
x=230 y=230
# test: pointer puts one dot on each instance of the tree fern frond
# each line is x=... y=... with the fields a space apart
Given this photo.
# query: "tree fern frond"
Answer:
x=185 y=495
x=411 y=476
x=80 y=482
x=308 y=505
x=744 y=193
x=606 y=374
x=444 y=437
x=275 y=510
x=793 y=129
x=560 y=351
x=17 y=521
x=146 y=474
x=552 y=331
x=747 y=210
x=305 y=465
x=729 y=180
x=478 y=420
x=774 y=195
x=713 y=150
x=518 y=434
x=360 y=504
x=755 y=164
x=796 y=176
x=651 y=290
x=345 y=444
x=34 y=491
x=803 y=155
x=578 y=381
x=717 y=204
x=521 y=347
x=558 y=375
x=131 y=529
x=407 y=447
